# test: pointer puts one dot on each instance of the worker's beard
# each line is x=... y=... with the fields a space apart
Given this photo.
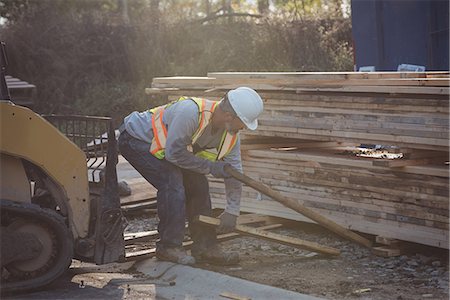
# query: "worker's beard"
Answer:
x=229 y=128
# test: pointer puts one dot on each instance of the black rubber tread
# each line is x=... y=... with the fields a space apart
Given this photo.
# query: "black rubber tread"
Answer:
x=64 y=242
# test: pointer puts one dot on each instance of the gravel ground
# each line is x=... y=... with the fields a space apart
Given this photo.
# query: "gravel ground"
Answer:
x=422 y=272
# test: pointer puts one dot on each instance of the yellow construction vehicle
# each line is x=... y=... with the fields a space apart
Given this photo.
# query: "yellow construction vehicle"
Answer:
x=58 y=194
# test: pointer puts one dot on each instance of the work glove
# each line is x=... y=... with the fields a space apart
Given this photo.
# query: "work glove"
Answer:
x=217 y=169
x=227 y=223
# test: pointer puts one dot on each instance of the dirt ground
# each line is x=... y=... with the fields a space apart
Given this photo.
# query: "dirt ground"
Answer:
x=422 y=272
x=355 y=274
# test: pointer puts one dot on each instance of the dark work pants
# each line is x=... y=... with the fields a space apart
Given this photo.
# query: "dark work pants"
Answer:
x=181 y=193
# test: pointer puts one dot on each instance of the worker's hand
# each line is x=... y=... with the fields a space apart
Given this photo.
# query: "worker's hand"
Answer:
x=227 y=223
x=217 y=169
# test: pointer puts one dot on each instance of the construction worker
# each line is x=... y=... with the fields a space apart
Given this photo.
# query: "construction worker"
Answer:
x=173 y=147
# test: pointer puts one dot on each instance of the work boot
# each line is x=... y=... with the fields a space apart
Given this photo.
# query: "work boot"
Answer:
x=215 y=255
x=174 y=254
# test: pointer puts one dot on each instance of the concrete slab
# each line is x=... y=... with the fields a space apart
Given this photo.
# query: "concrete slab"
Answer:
x=125 y=171
x=173 y=281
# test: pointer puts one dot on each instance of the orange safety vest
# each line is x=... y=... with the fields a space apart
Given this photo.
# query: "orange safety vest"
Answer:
x=206 y=109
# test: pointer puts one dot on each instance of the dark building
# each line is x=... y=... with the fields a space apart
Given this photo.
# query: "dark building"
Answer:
x=387 y=33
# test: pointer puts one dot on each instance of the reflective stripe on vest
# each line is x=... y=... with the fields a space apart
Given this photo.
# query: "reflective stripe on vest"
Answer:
x=206 y=109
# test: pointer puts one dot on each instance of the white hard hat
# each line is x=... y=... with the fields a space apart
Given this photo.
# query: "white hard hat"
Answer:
x=247 y=104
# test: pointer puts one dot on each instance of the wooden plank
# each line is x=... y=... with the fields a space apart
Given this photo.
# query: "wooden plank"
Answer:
x=436 y=144
x=414 y=154
x=295 y=242
x=333 y=75
x=144 y=236
x=290 y=98
x=386 y=251
x=321 y=160
x=382 y=89
x=344 y=160
x=139 y=207
x=387 y=241
x=396 y=163
x=313 y=157
x=22 y=86
x=438 y=171
x=377 y=107
x=356 y=115
x=293 y=82
x=255 y=218
x=342 y=89
x=437 y=75
x=401 y=132
x=342 y=82
x=151 y=252
x=185 y=81
x=297 y=145
x=233 y=296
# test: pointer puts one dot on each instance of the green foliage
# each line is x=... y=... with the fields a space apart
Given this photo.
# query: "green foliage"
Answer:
x=113 y=99
x=85 y=57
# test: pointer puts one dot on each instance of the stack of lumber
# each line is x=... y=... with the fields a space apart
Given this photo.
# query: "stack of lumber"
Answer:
x=21 y=92
x=404 y=109
x=308 y=135
x=402 y=203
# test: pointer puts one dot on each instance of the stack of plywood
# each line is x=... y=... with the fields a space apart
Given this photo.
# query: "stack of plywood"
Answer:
x=305 y=147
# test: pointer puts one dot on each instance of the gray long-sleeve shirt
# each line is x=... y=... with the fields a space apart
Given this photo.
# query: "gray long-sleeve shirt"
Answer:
x=181 y=119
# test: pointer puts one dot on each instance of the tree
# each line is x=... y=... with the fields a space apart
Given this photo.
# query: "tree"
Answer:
x=263 y=6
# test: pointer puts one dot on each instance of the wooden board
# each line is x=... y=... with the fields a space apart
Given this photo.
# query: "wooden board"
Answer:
x=290 y=241
x=386 y=251
x=317 y=82
x=151 y=252
x=329 y=75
